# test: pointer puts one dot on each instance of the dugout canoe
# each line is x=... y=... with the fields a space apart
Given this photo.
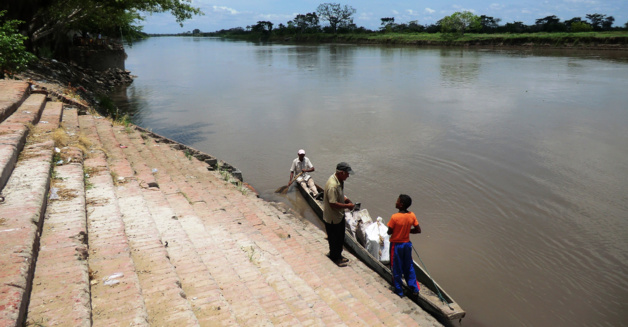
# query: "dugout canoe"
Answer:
x=443 y=307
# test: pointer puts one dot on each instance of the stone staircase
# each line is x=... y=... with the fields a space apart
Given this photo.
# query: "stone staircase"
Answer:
x=107 y=224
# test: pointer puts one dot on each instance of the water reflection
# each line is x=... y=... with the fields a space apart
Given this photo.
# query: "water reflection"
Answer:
x=131 y=101
x=459 y=67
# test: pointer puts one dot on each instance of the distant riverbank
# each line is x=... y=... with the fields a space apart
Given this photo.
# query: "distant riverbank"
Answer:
x=589 y=40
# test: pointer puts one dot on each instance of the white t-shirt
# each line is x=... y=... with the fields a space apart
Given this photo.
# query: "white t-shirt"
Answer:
x=298 y=166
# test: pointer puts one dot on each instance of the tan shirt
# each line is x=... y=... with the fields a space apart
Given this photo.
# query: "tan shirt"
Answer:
x=334 y=193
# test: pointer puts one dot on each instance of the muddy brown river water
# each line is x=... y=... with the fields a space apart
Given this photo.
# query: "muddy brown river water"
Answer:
x=517 y=160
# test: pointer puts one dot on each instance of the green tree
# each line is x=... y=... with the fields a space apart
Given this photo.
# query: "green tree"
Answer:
x=581 y=27
x=550 y=24
x=516 y=27
x=336 y=15
x=13 y=54
x=388 y=24
x=306 y=23
x=460 y=22
x=607 y=24
x=56 y=18
x=489 y=24
x=264 y=27
x=600 y=22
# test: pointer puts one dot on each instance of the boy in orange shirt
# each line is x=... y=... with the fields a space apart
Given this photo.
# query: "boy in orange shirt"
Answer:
x=400 y=226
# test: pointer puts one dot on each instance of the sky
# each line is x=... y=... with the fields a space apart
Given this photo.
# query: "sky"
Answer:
x=223 y=14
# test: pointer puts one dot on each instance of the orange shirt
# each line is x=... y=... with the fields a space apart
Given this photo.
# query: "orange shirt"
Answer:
x=401 y=223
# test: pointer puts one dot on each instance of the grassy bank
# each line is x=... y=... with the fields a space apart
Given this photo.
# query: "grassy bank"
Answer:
x=586 y=40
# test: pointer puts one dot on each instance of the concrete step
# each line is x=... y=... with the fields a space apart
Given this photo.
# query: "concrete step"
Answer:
x=175 y=219
x=116 y=294
x=21 y=216
x=220 y=262
x=14 y=131
x=12 y=94
x=60 y=294
x=61 y=290
x=165 y=300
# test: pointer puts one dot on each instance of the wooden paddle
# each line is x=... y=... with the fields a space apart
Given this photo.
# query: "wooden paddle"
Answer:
x=284 y=189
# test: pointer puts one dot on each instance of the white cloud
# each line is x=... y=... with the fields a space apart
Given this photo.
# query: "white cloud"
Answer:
x=275 y=17
x=365 y=16
x=590 y=2
x=429 y=10
x=395 y=12
x=412 y=12
x=223 y=9
x=496 y=6
x=461 y=8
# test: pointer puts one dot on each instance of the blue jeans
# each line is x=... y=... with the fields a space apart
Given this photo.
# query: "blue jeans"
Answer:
x=401 y=262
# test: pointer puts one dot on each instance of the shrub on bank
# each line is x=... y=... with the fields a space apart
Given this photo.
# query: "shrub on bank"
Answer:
x=13 y=54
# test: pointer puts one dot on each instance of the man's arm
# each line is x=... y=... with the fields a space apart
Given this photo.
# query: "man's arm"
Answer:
x=346 y=205
x=309 y=164
x=337 y=205
x=415 y=229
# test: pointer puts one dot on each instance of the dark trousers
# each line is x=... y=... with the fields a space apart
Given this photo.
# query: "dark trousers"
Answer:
x=336 y=239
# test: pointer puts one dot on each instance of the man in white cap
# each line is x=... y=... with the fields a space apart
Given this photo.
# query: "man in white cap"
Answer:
x=303 y=164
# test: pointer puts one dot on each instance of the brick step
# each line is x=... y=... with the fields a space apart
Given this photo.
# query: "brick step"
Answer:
x=175 y=219
x=60 y=294
x=115 y=300
x=22 y=217
x=248 y=312
x=368 y=304
x=14 y=131
x=225 y=191
x=277 y=311
x=161 y=288
x=12 y=94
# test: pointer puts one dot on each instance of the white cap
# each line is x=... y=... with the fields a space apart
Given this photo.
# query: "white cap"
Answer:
x=301 y=151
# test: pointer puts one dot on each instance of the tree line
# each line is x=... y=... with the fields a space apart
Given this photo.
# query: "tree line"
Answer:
x=340 y=20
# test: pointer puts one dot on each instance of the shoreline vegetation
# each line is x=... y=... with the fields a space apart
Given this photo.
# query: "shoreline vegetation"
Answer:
x=611 y=40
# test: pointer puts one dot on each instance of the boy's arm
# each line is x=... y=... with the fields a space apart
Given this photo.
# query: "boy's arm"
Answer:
x=416 y=229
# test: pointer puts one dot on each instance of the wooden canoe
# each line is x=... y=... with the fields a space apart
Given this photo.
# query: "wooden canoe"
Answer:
x=443 y=307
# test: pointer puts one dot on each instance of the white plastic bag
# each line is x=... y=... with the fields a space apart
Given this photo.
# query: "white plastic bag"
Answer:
x=355 y=222
x=350 y=223
x=377 y=243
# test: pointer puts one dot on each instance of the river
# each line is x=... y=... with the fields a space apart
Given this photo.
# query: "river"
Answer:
x=517 y=160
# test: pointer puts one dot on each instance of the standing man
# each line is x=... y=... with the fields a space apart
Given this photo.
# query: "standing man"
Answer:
x=400 y=226
x=303 y=164
x=334 y=204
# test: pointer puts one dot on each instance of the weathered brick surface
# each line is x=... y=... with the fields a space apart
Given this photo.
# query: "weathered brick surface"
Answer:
x=121 y=303
x=13 y=133
x=60 y=295
x=164 y=298
x=21 y=213
x=12 y=93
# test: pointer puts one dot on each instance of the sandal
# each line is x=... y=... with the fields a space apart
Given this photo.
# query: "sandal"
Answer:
x=339 y=263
